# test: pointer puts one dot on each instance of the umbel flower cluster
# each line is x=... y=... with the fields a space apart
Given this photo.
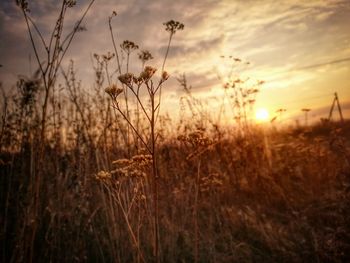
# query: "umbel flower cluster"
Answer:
x=136 y=166
x=129 y=79
x=24 y=4
x=173 y=26
x=113 y=91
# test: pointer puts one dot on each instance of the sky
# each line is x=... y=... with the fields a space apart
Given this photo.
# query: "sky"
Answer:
x=300 y=48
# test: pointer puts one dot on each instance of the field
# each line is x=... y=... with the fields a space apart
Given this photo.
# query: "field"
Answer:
x=102 y=174
x=264 y=196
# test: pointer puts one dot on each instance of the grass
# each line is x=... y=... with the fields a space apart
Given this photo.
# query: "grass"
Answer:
x=233 y=207
x=107 y=178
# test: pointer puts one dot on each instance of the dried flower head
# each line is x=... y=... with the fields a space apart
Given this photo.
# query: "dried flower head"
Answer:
x=108 y=56
x=137 y=80
x=199 y=141
x=137 y=166
x=128 y=46
x=70 y=3
x=165 y=75
x=145 y=55
x=103 y=176
x=173 y=26
x=126 y=79
x=114 y=91
x=147 y=73
x=142 y=159
x=199 y=138
x=23 y=4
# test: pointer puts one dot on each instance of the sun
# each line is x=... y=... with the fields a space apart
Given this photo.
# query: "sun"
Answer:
x=261 y=115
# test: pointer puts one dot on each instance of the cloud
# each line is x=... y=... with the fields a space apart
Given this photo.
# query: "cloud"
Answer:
x=331 y=62
x=274 y=35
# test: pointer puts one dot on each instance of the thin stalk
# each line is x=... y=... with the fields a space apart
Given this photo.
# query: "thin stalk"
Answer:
x=114 y=45
x=165 y=58
x=116 y=106
x=34 y=47
x=155 y=179
x=139 y=102
x=75 y=30
x=196 y=229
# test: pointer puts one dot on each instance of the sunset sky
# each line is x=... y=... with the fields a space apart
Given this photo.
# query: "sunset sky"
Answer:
x=301 y=48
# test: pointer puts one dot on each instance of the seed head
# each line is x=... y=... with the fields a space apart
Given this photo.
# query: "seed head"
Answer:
x=23 y=4
x=126 y=79
x=147 y=73
x=103 y=176
x=173 y=26
x=145 y=55
x=142 y=159
x=71 y=3
x=137 y=80
x=114 y=91
x=128 y=46
x=165 y=75
x=108 y=56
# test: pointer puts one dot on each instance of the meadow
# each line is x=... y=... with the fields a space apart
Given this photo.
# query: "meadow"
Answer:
x=104 y=175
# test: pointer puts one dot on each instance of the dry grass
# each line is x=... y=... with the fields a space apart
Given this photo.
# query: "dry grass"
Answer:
x=112 y=180
x=259 y=198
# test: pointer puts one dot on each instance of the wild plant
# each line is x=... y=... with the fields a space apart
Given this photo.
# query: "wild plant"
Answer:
x=239 y=91
x=74 y=92
x=49 y=61
x=126 y=187
x=200 y=144
x=134 y=83
x=192 y=104
x=55 y=48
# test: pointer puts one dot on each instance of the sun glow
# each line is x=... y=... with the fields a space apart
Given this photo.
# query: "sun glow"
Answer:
x=262 y=115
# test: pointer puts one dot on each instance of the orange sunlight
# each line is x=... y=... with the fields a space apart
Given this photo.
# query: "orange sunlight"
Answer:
x=262 y=115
